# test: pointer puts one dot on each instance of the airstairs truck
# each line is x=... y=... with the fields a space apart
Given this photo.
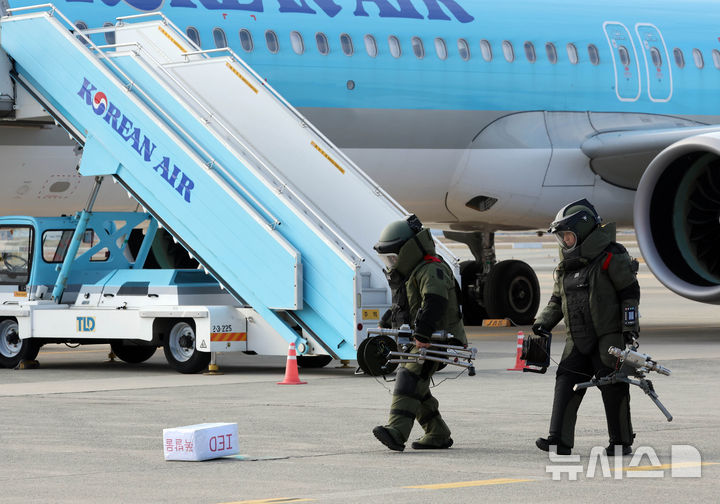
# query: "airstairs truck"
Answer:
x=275 y=214
x=106 y=296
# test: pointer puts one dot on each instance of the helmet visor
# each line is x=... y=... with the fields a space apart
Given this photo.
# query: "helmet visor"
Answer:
x=389 y=260
x=567 y=239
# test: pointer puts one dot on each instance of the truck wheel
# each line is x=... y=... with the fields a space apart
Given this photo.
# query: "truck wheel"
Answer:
x=132 y=354
x=180 y=350
x=313 y=361
x=12 y=348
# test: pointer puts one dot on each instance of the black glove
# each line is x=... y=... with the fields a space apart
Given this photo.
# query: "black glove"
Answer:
x=630 y=337
x=539 y=330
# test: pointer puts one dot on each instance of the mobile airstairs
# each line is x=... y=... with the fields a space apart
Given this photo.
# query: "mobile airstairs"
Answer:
x=267 y=205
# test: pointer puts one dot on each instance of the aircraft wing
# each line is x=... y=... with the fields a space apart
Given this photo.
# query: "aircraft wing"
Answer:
x=620 y=157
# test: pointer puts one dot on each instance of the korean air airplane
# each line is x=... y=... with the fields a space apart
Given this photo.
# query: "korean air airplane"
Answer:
x=478 y=116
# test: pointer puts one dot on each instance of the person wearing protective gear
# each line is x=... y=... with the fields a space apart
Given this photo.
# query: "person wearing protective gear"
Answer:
x=597 y=294
x=431 y=291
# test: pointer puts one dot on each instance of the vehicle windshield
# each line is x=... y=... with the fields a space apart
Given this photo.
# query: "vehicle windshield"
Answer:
x=15 y=251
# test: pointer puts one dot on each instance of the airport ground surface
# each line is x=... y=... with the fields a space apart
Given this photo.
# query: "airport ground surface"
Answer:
x=82 y=430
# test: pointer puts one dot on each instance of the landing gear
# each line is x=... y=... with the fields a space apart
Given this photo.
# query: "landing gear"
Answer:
x=512 y=291
x=491 y=289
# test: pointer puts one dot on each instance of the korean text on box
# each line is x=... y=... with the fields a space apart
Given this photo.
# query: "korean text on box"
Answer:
x=200 y=442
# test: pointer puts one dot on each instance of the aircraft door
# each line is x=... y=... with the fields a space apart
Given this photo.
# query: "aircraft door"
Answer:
x=625 y=61
x=657 y=62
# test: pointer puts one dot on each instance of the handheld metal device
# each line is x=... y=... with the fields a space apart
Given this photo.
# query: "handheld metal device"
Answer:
x=634 y=364
x=444 y=349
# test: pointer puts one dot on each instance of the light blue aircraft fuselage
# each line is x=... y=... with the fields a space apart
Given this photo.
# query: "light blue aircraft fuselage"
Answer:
x=312 y=79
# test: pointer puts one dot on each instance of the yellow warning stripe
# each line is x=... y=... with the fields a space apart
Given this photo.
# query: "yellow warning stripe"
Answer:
x=233 y=70
x=177 y=44
x=228 y=336
x=676 y=465
x=281 y=500
x=465 y=484
x=327 y=156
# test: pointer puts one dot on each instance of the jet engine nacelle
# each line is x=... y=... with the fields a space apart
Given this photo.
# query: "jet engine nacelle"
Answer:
x=677 y=217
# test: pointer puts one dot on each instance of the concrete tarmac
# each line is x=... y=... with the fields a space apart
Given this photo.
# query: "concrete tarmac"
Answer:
x=83 y=430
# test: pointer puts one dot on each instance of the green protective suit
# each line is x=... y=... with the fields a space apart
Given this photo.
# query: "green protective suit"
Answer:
x=433 y=306
x=597 y=294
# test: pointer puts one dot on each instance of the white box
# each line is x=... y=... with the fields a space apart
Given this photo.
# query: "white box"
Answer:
x=200 y=442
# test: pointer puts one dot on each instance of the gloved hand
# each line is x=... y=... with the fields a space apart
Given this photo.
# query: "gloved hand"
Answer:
x=539 y=330
x=630 y=337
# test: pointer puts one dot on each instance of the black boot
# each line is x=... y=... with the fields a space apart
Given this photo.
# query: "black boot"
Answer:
x=385 y=437
x=622 y=449
x=545 y=443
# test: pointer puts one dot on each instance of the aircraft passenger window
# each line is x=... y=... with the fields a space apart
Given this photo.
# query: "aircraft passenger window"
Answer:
x=219 y=38
x=296 y=41
x=698 y=58
x=371 y=46
x=441 y=49
x=193 y=35
x=624 y=56
x=508 y=51
x=486 y=50
x=530 y=52
x=246 y=40
x=109 y=35
x=322 y=43
x=551 y=52
x=656 y=58
x=573 y=54
x=418 y=47
x=594 y=55
x=464 y=49
x=716 y=58
x=346 y=44
x=394 y=45
x=679 y=57
x=81 y=25
x=271 y=40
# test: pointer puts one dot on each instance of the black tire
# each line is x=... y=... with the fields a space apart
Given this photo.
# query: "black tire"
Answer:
x=313 y=361
x=13 y=350
x=473 y=312
x=512 y=291
x=132 y=354
x=180 y=349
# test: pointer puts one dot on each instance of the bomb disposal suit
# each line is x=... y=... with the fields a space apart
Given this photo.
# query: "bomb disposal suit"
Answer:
x=597 y=294
x=432 y=302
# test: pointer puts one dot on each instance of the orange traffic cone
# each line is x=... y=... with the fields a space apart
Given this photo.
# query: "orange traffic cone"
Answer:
x=291 y=369
x=519 y=363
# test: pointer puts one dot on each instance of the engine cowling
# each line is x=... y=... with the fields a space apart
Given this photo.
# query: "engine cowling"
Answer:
x=677 y=217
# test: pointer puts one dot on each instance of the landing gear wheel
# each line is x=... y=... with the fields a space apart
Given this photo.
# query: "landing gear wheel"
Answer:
x=132 y=354
x=473 y=312
x=180 y=350
x=313 y=361
x=13 y=350
x=372 y=355
x=512 y=291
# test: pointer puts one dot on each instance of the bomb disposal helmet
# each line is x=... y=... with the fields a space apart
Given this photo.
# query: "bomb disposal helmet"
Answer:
x=577 y=219
x=393 y=237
